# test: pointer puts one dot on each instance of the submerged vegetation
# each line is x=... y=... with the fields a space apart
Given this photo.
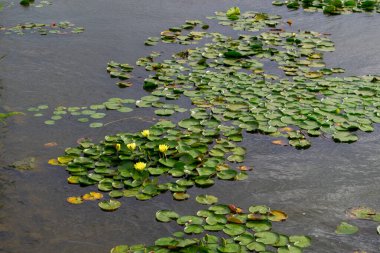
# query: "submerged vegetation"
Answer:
x=6 y=115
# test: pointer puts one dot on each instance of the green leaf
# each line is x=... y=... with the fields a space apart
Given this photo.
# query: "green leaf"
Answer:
x=96 y=125
x=166 y=215
x=229 y=248
x=256 y=246
x=234 y=229
x=268 y=238
x=110 y=205
x=164 y=112
x=190 y=220
x=220 y=209
x=227 y=174
x=300 y=241
x=180 y=196
x=259 y=209
x=193 y=229
x=206 y=199
x=346 y=229
x=120 y=249
x=344 y=137
x=166 y=242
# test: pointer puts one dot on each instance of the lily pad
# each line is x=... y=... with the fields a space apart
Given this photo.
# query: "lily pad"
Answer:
x=206 y=199
x=110 y=205
x=166 y=215
x=345 y=228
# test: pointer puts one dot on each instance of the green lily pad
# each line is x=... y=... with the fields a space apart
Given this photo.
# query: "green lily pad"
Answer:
x=110 y=205
x=206 y=199
x=234 y=229
x=166 y=215
x=346 y=229
x=268 y=238
x=189 y=219
x=256 y=246
x=229 y=248
x=361 y=213
x=96 y=125
x=193 y=229
x=220 y=209
x=180 y=196
x=116 y=194
x=166 y=242
x=164 y=112
x=345 y=137
x=300 y=241
x=227 y=174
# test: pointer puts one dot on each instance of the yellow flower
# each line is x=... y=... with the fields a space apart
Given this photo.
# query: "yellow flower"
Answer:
x=145 y=133
x=131 y=146
x=140 y=166
x=117 y=146
x=163 y=148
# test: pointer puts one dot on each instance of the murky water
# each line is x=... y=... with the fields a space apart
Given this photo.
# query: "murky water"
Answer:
x=314 y=186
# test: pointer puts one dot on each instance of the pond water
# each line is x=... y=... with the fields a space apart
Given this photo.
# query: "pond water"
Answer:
x=314 y=186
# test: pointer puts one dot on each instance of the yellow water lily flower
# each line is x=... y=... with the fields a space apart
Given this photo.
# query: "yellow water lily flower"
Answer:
x=163 y=148
x=145 y=133
x=117 y=147
x=131 y=146
x=140 y=166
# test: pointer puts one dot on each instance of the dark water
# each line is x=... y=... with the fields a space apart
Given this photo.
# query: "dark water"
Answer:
x=314 y=186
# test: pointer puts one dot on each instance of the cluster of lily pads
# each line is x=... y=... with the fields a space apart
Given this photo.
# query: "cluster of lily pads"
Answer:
x=132 y=165
x=265 y=80
x=360 y=213
x=120 y=71
x=332 y=7
x=224 y=228
x=180 y=34
x=229 y=80
x=63 y=27
x=85 y=114
x=234 y=81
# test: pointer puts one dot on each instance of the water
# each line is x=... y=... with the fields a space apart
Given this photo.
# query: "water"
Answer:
x=314 y=186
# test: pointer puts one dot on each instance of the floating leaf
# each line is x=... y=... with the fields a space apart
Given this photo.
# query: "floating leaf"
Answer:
x=346 y=229
x=166 y=215
x=75 y=200
x=268 y=238
x=193 y=229
x=279 y=142
x=92 y=196
x=233 y=229
x=344 y=137
x=189 y=219
x=300 y=241
x=96 y=124
x=206 y=199
x=361 y=213
x=180 y=196
x=277 y=215
x=110 y=205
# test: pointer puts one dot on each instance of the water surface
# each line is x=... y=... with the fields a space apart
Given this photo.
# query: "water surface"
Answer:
x=313 y=186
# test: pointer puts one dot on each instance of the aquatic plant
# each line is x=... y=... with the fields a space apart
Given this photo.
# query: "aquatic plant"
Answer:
x=130 y=165
x=224 y=228
x=332 y=7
